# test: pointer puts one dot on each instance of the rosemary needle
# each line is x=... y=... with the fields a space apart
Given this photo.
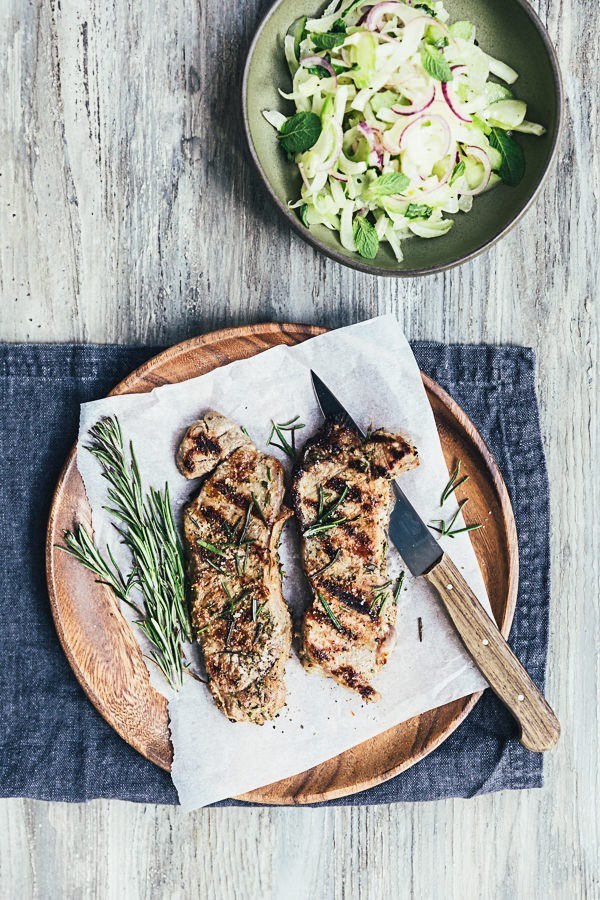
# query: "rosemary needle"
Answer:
x=399 y=584
x=448 y=530
x=453 y=483
x=334 y=619
x=324 y=520
x=280 y=429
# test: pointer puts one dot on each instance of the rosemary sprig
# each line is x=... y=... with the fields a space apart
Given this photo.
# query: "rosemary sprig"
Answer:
x=447 y=529
x=453 y=483
x=325 y=520
x=280 y=430
x=146 y=526
x=334 y=619
x=80 y=545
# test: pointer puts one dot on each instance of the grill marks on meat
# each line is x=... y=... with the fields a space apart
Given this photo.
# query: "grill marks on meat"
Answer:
x=237 y=608
x=348 y=631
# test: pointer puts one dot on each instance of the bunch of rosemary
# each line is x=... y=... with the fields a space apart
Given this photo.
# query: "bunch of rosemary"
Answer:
x=145 y=524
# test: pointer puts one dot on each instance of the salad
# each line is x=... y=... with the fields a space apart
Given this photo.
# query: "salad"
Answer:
x=397 y=124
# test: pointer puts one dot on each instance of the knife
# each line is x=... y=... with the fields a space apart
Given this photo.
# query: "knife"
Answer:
x=425 y=558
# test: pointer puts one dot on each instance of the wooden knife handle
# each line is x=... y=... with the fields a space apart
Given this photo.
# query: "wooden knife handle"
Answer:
x=540 y=729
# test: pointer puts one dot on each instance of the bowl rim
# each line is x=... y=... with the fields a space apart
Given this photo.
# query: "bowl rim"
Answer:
x=371 y=269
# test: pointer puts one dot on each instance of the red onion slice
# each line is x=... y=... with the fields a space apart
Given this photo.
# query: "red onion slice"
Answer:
x=339 y=176
x=452 y=102
x=309 y=61
x=373 y=138
x=484 y=159
x=377 y=12
x=414 y=108
x=368 y=132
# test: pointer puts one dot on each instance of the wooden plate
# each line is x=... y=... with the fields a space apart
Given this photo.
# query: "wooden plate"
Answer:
x=107 y=661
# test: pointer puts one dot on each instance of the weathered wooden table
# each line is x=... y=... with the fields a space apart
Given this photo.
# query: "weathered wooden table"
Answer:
x=128 y=213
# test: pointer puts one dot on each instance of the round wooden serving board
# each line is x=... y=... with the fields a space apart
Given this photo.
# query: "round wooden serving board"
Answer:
x=105 y=656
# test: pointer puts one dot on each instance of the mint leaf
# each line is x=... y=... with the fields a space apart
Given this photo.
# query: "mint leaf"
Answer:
x=512 y=167
x=365 y=237
x=318 y=70
x=300 y=132
x=327 y=41
x=457 y=171
x=388 y=184
x=302 y=211
x=418 y=211
x=434 y=63
x=426 y=8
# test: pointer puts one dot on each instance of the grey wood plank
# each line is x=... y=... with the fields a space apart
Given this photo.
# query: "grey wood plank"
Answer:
x=129 y=213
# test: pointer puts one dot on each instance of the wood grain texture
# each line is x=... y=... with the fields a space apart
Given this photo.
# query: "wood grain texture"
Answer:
x=540 y=729
x=129 y=213
x=108 y=665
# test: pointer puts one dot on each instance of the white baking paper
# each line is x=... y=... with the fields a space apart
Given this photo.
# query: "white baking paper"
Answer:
x=371 y=369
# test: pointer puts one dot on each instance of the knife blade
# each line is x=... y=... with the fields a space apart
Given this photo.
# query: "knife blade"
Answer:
x=409 y=534
x=479 y=633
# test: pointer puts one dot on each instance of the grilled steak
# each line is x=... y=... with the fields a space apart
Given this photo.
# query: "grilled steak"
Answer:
x=232 y=530
x=342 y=497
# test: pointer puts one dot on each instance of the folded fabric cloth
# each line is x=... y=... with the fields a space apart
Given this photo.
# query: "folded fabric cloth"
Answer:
x=53 y=743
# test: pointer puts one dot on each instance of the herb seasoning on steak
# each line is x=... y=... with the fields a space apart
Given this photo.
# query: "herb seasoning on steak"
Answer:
x=343 y=498
x=232 y=531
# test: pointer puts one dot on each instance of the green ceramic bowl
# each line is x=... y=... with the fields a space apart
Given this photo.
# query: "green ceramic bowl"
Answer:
x=508 y=30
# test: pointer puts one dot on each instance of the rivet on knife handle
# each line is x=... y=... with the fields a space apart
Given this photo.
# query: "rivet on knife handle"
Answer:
x=540 y=729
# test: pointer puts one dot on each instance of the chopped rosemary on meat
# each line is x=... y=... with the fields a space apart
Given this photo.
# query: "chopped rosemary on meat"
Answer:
x=334 y=620
x=280 y=430
x=147 y=528
x=398 y=588
x=327 y=565
x=212 y=548
x=324 y=520
x=257 y=609
x=244 y=530
x=258 y=510
x=230 y=607
x=446 y=529
x=380 y=598
x=215 y=566
x=453 y=483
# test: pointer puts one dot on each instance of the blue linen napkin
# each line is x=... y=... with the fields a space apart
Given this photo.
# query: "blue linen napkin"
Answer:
x=53 y=743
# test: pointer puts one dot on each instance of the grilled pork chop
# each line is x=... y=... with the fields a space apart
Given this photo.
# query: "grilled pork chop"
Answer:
x=342 y=497
x=232 y=530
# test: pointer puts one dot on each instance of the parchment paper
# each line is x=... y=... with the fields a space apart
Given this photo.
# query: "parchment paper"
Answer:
x=372 y=370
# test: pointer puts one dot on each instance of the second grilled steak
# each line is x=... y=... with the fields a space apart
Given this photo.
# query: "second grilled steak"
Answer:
x=342 y=497
x=232 y=530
